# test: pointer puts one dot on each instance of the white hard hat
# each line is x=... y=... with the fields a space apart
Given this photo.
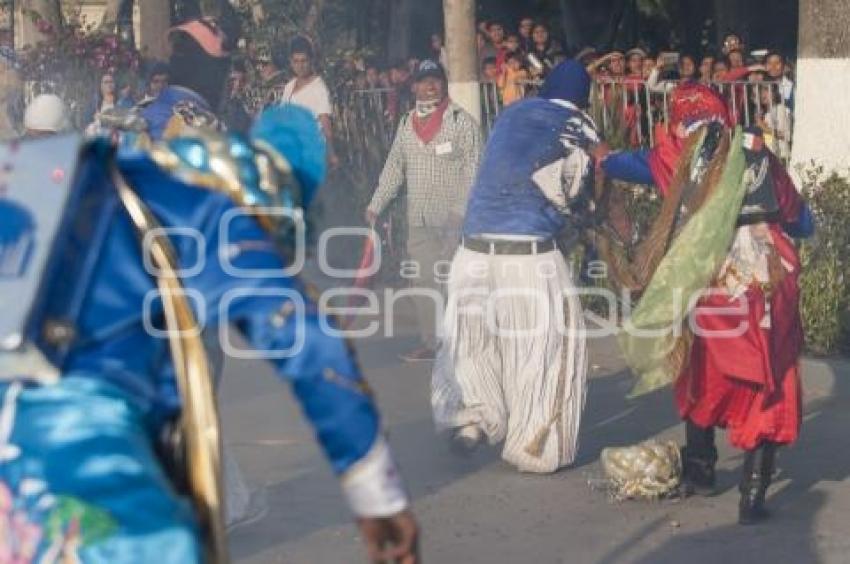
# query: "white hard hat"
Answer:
x=47 y=112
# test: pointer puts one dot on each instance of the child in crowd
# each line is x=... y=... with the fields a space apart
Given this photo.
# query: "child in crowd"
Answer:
x=719 y=70
x=511 y=81
x=489 y=70
x=635 y=59
x=512 y=45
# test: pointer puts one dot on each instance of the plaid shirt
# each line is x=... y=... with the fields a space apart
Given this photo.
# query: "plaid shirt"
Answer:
x=439 y=175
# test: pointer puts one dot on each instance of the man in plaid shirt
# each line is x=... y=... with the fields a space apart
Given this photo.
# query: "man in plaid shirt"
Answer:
x=436 y=153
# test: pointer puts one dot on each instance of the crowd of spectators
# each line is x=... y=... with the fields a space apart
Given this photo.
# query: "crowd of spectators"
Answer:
x=757 y=84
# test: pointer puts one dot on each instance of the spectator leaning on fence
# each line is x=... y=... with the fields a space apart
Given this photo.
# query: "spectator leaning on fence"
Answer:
x=611 y=66
x=706 y=68
x=634 y=66
x=309 y=91
x=687 y=73
x=774 y=64
x=435 y=153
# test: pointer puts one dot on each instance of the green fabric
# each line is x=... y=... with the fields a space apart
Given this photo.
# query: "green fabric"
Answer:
x=688 y=267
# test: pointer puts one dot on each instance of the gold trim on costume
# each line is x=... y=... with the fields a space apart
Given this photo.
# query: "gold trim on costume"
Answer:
x=199 y=418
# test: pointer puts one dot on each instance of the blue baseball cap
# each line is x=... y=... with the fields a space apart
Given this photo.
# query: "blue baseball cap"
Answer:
x=429 y=68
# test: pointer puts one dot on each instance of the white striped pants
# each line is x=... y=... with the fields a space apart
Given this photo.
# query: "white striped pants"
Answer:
x=512 y=359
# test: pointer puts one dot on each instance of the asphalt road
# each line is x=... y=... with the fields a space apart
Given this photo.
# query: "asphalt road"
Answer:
x=480 y=510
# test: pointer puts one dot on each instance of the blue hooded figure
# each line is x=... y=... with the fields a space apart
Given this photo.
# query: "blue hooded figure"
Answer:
x=528 y=137
x=517 y=373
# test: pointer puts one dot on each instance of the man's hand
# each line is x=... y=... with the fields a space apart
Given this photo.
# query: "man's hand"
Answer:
x=371 y=218
x=391 y=539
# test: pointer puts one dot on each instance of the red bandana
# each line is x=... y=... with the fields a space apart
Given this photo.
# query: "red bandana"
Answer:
x=428 y=128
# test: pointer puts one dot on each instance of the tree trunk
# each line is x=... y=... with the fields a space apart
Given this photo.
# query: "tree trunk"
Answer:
x=571 y=25
x=462 y=54
x=155 y=21
x=822 y=131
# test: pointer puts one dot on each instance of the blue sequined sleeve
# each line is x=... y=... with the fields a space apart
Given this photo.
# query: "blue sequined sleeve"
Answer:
x=241 y=281
x=282 y=324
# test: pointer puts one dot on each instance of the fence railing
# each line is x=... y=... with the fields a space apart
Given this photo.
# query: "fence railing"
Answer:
x=627 y=111
x=630 y=111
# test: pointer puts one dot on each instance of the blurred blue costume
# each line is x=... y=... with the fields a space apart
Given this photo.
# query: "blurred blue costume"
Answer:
x=79 y=471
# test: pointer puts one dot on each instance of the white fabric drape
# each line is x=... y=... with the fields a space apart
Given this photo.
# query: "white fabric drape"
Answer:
x=512 y=360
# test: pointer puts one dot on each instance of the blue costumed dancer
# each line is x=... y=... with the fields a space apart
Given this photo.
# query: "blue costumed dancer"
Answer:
x=101 y=354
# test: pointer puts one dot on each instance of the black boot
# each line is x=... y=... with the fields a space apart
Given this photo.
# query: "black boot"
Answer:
x=699 y=458
x=756 y=478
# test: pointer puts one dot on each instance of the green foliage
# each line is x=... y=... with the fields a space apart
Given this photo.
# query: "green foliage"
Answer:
x=272 y=24
x=269 y=24
x=655 y=9
x=70 y=61
x=825 y=292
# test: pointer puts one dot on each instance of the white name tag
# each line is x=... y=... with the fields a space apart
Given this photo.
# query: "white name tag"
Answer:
x=444 y=148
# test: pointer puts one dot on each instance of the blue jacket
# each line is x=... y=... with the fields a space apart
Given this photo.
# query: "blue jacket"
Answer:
x=528 y=136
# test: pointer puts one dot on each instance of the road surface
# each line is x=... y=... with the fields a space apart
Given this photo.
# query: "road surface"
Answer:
x=480 y=510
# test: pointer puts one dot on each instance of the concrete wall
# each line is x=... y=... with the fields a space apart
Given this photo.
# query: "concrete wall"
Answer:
x=822 y=111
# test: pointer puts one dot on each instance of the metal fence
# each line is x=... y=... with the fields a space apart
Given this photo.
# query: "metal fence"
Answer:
x=629 y=112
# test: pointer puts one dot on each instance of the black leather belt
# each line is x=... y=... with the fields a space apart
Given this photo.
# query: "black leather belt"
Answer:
x=492 y=247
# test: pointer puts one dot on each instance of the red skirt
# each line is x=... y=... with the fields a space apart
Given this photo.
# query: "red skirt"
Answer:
x=749 y=383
